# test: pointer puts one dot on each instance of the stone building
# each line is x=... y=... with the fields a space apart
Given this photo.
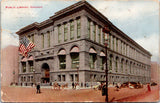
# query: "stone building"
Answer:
x=70 y=48
x=154 y=72
x=9 y=65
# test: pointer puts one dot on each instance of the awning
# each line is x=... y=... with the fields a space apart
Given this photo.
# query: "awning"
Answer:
x=102 y=54
x=24 y=60
x=75 y=50
x=92 y=51
x=62 y=52
x=30 y=58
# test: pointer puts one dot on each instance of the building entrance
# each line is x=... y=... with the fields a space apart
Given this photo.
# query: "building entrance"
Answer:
x=45 y=73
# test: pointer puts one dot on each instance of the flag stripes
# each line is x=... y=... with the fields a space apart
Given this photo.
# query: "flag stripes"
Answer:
x=25 y=46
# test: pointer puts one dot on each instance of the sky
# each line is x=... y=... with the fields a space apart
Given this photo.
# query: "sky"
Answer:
x=139 y=19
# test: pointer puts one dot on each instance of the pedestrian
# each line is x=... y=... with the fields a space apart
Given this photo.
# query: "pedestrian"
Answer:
x=72 y=85
x=148 y=86
x=38 y=88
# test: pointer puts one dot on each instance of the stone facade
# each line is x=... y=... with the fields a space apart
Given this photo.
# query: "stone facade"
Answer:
x=9 y=65
x=70 y=48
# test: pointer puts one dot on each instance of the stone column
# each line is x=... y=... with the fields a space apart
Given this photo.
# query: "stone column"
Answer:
x=82 y=60
x=84 y=28
x=55 y=36
x=68 y=62
x=27 y=67
x=20 y=67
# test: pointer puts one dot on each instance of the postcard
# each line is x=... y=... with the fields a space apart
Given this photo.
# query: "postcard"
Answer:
x=80 y=51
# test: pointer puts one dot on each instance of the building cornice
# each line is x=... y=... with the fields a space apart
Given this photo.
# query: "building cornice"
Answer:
x=74 y=8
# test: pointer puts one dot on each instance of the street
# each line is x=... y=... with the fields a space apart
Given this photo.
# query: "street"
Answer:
x=28 y=94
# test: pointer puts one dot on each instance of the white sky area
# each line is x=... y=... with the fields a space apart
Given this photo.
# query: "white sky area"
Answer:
x=139 y=19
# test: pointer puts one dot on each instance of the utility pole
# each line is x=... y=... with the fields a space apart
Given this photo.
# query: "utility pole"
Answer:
x=106 y=30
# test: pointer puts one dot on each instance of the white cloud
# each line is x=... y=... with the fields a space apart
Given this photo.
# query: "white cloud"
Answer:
x=123 y=10
x=8 y=39
x=150 y=43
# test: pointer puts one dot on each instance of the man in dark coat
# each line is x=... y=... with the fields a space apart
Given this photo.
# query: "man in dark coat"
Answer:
x=38 y=88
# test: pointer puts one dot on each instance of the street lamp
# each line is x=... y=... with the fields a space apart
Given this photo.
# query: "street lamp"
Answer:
x=77 y=66
x=34 y=76
x=106 y=30
x=13 y=76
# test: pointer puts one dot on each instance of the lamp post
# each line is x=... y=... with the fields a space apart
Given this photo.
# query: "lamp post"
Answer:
x=77 y=72
x=34 y=76
x=13 y=76
x=106 y=30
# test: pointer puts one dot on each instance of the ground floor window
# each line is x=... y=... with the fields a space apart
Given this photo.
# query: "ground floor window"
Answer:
x=62 y=61
x=92 y=61
x=102 y=62
x=75 y=60
x=24 y=67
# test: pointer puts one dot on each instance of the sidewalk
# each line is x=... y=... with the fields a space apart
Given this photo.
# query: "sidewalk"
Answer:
x=152 y=96
x=28 y=94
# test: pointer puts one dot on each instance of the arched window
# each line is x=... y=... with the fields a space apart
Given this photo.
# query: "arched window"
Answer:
x=23 y=63
x=116 y=63
x=93 y=58
x=30 y=63
x=122 y=65
x=75 y=57
x=110 y=62
x=62 y=59
x=102 y=60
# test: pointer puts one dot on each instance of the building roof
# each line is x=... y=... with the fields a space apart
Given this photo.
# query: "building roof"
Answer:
x=76 y=7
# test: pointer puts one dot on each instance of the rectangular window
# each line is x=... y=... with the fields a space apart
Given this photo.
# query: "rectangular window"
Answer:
x=63 y=78
x=59 y=34
x=89 y=29
x=48 y=34
x=72 y=30
x=113 y=43
x=75 y=60
x=62 y=60
x=78 y=28
x=99 y=34
x=42 y=40
x=71 y=77
x=102 y=61
x=116 y=66
x=110 y=63
x=122 y=66
x=117 y=45
x=92 y=61
x=65 y=32
x=33 y=38
x=121 y=47
x=59 y=77
x=94 y=32
x=24 y=66
x=109 y=40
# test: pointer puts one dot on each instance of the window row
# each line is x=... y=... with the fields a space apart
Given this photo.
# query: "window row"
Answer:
x=27 y=79
x=71 y=28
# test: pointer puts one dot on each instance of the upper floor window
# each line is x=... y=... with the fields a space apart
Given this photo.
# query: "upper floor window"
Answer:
x=94 y=32
x=42 y=40
x=89 y=29
x=59 y=34
x=113 y=43
x=48 y=34
x=65 y=32
x=99 y=34
x=72 y=30
x=116 y=44
x=78 y=28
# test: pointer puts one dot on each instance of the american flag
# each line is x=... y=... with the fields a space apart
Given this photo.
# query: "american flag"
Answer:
x=25 y=46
